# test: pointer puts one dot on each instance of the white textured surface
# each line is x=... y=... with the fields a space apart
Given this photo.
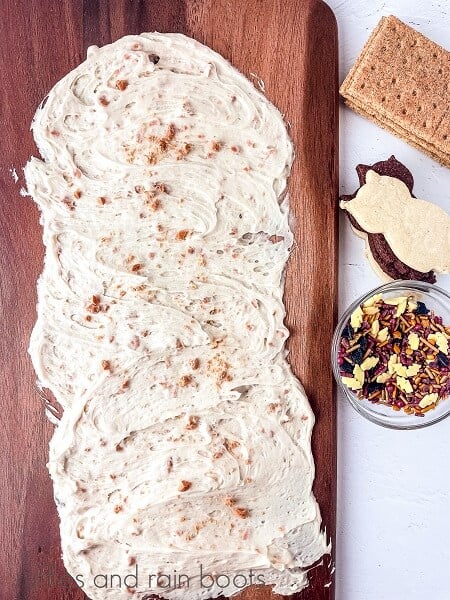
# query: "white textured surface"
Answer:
x=393 y=486
x=208 y=136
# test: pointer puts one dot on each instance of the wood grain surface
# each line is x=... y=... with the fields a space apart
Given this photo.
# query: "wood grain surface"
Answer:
x=292 y=46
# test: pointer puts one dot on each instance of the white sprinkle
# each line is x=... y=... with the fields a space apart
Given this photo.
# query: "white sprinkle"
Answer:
x=14 y=174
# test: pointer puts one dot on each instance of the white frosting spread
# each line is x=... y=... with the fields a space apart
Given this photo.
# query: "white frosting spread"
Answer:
x=160 y=326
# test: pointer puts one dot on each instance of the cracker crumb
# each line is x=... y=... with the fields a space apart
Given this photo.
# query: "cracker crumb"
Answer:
x=184 y=485
x=121 y=84
x=241 y=512
x=185 y=380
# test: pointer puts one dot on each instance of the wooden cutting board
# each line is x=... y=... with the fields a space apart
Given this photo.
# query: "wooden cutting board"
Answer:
x=292 y=46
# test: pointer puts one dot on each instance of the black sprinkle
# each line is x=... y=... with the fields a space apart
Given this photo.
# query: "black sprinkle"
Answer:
x=363 y=342
x=356 y=356
x=442 y=360
x=421 y=309
x=347 y=367
x=154 y=58
x=374 y=387
x=348 y=331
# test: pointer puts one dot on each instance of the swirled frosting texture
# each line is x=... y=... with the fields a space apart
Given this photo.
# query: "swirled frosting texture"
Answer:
x=185 y=438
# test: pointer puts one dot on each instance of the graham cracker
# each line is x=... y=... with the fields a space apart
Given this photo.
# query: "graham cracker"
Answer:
x=401 y=80
x=440 y=156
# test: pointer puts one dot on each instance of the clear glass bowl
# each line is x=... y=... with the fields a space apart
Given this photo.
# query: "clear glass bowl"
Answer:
x=435 y=299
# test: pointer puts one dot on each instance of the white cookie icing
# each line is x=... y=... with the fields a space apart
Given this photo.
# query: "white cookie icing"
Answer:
x=160 y=325
x=417 y=231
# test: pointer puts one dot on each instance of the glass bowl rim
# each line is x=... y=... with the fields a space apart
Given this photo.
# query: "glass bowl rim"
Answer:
x=358 y=405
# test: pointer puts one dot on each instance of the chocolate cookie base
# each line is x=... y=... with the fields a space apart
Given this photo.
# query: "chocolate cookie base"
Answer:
x=382 y=253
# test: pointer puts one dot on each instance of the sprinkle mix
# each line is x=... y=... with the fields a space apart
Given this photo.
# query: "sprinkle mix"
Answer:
x=396 y=352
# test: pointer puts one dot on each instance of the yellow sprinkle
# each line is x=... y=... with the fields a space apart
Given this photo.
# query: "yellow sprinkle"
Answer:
x=441 y=342
x=404 y=385
x=357 y=318
x=401 y=307
x=358 y=374
x=352 y=383
x=383 y=334
x=383 y=377
x=396 y=301
x=375 y=328
x=413 y=341
x=399 y=369
x=428 y=399
x=371 y=310
x=412 y=305
x=369 y=363
x=403 y=371
x=427 y=408
x=391 y=362
x=373 y=300
x=413 y=370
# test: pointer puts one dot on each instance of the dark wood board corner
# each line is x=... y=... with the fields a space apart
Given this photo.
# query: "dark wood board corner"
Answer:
x=292 y=46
